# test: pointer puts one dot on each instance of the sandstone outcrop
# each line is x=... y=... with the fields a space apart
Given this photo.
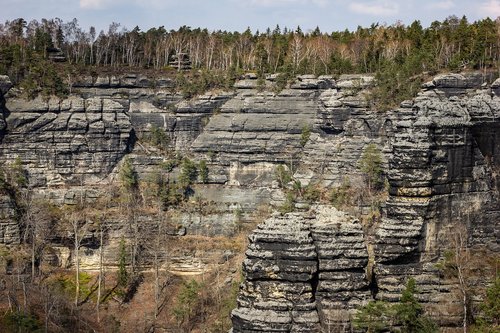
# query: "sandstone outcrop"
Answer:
x=442 y=151
x=304 y=271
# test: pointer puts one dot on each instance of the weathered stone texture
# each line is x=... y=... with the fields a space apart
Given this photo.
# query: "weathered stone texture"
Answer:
x=304 y=272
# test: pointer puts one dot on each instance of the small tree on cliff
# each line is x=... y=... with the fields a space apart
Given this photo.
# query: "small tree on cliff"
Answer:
x=408 y=314
x=130 y=184
x=128 y=176
x=465 y=265
x=370 y=165
x=488 y=320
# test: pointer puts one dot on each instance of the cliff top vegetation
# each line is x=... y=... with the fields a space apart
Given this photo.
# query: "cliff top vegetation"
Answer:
x=43 y=56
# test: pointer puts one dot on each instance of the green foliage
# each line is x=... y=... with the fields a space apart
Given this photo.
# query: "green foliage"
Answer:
x=399 y=54
x=311 y=193
x=370 y=165
x=203 y=171
x=408 y=310
x=395 y=83
x=128 y=175
x=488 y=320
x=341 y=195
x=169 y=165
x=158 y=137
x=18 y=176
x=19 y=322
x=67 y=284
x=289 y=205
x=283 y=175
x=122 y=278
x=172 y=195
x=408 y=314
x=189 y=172
x=305 y=135
x=199 y=82
x=186 y=301
x=373 y=317
x=261 y=83
x=282 y=81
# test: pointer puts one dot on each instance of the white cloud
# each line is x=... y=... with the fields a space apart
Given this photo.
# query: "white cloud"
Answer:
x=442 y=5
x=106 y=4
x=97 y=4
x=490 y=8
x=278 y=3
x=375 y=8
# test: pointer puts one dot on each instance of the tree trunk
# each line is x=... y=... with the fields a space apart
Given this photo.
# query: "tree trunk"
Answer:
x=99 y=283
x=77 y=262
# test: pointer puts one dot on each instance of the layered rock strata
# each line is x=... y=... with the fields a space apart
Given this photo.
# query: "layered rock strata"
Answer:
x=303 y=273
x=442 y=150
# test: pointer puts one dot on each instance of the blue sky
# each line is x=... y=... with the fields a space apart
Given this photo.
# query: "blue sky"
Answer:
x=329 y=15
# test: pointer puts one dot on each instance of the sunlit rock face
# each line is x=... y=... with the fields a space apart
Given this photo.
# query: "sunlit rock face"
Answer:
x=305 y=271
x=442 y=150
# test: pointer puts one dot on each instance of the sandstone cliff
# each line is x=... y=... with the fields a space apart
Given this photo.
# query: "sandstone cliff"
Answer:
x=304 y=271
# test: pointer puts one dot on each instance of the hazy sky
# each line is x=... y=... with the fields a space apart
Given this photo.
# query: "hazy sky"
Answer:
x=232 y=15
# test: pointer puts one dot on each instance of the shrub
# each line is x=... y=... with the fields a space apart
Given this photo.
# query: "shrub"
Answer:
x=122 y=278
x=203 y=171
x=341 y=195
x=21 y=322
x=128 y=175
x=283 y=175
x=289 y=205
x=186 y=301
x=379 y=316
x=158 y=137
x=370 y=165
x=189 y=172
x=305 y=135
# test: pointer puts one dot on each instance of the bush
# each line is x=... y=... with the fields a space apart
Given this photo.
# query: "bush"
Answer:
x=305 y=135
x=379 y=316
x=187 y=299
x=373 y=317
x=21 y=322
x=203 y=171
x=488 y=320
x=158 y=138
x=289 y=204
x=341 y=195
x=189 y=173
x=370 y=165
x=128 y=175
x=283 y=175
x=122 y=279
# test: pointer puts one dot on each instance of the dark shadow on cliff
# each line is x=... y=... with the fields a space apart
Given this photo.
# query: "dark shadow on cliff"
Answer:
x=4 y=114
x=132 y=139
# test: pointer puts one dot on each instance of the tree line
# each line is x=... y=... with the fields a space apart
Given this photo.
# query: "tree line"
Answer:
x=397 y=53
x=452 y=43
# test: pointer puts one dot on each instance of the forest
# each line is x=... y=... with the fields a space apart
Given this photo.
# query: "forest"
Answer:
x=41 y=55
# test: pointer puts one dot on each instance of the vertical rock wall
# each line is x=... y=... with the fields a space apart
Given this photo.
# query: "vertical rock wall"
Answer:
x=443 y=179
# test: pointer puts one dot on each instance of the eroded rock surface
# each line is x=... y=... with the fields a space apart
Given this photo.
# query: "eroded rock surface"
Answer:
x=307 y=271
x=442 y=149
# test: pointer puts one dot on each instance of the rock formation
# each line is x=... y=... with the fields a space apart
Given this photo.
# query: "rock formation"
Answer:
x=305 y=271
x=442 y=172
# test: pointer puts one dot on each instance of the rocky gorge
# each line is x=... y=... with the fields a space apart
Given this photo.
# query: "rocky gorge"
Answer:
x=307 y=270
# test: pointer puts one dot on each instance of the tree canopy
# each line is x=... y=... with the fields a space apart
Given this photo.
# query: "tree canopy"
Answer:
x=395 y=52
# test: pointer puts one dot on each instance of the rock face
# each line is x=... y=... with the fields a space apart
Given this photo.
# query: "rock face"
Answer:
x=304 y=271
x=442 y=151
x=280 y=272
x=442 y=177
x=62 y=142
